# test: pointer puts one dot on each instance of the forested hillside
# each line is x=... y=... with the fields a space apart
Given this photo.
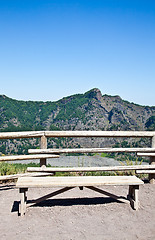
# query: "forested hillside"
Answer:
x=89 y=111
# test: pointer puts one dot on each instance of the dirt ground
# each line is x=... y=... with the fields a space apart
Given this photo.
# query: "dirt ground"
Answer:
x=77 y=214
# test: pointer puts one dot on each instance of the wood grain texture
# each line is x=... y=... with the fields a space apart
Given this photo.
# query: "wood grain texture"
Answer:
x=99 y=133
x=31 y=134
x=15 y=176
x=43 y=144
x=30 y=182
x=89 y=169
x=89 y=150
x=27 y=157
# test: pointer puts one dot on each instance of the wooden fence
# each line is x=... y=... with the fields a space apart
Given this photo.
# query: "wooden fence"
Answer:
x=43 y=135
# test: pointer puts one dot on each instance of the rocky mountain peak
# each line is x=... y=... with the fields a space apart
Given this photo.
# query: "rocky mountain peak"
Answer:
x=3 y=96
x=94 y=93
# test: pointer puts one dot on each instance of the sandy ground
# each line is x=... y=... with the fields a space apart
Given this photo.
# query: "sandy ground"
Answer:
x=77 y=214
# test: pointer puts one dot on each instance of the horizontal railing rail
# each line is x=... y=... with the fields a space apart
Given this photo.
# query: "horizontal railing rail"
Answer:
x=99 y=133
x=90 y=150
x=36 y=134
x=44 y=135
x=29 y=134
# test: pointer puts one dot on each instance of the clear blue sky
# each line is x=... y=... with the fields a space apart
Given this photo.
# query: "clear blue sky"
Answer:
x=52 y=49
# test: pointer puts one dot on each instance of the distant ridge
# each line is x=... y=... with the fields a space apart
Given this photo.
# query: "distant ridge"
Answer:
x=88 y=111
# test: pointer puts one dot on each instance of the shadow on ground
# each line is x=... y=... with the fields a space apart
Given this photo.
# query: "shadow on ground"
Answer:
x=68 y=202
x=7 y=187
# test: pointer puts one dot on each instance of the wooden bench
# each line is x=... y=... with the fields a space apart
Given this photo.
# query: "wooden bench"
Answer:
x=81 y=181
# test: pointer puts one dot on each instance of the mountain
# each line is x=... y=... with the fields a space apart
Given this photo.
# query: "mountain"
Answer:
x=88 y=111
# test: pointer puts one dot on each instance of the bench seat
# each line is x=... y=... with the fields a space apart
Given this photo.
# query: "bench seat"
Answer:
x=73 y=181
x=70 y=182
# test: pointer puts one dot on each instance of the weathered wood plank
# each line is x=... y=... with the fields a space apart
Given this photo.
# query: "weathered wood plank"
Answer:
x=38 y=200
x=89 y=150
x=145 y=171
x=89 y=169
x=152 y=162
x=76 y=181
x=27 y=157
x=43 y=144
x=15 y=176
x=133 y=196
x=99 y=133
x=142 y=154
x=29 y=134
x=22 y=205
x=118 y=198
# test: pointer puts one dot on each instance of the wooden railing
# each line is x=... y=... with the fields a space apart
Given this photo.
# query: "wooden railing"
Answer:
x=43 y=135
x=37 y=134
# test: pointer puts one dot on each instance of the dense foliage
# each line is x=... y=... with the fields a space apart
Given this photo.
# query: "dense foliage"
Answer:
x=89 y=111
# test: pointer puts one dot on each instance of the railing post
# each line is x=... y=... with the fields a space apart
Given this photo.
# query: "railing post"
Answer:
x=43 y=145
x=152 y=161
